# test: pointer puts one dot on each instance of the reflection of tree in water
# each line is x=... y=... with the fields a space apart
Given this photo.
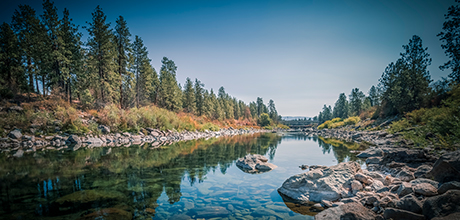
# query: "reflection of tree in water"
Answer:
x=138 y=172
x=340 y=149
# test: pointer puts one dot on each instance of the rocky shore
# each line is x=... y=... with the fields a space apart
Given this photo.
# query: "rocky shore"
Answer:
x=400 y=182
x=17 y=144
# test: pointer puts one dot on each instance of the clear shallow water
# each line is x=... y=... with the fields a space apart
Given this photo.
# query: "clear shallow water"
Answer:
x=185 y=180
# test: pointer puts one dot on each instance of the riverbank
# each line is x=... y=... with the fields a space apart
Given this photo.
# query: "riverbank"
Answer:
x=17 y=144
x=400 y=182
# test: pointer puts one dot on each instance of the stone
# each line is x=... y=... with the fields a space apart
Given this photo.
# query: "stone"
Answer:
x=346 y=211
x=363 y=178
x=371 y=152
x=442 y=205
x=405 y=175
x=404 y=189
x=19 y=153
x=405 y=155
x=422 y=171
x=373 y=160
x=94 y=141
x=209 y=212
x=15 y=134
x=423 y=180
x=388 y=180
x=303 y=167
x=356 y=186
x=410 y=203
x=306 y=187
x=448 y=186
x=15 y=108
x=108 y=214
x=398 y=214
x=74 y=139
x=254 y=163
x=326 y=203
x=453 y=216
x=377 y=185
x=425 y=189
x=104 y=129
x=447 y=168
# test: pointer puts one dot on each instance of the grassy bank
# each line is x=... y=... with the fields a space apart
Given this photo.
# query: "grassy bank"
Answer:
x=53 y=115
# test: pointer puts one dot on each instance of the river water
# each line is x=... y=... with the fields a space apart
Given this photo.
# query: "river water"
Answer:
x=195 y=179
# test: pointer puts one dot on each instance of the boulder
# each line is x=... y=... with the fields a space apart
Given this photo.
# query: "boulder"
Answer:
x=363 y=178
x=373 y=160
x=448 y=186
x=425 y=189
x=410 y=203
x=371 y=152
x=405 y=155
x=453 y=216
x=351 y=210
x=422 y=171
x=447 y=168
x=405 y=175
x=319 y=184
x=15 y=134
x=74 y=139
x=442 y=205
x=104 y=129
x=254 y=163
x=404 y=189
x=356 y=186
x=398 y=214
x=423 y=180
x=15 y=108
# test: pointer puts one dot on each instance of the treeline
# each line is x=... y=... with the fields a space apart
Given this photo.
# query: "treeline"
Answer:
x=406 y=84
x=45 y=55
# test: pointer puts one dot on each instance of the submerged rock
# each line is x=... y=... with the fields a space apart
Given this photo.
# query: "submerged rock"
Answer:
x=254 y=163
x=108 y=214
x=352 y=210
x=319 y=184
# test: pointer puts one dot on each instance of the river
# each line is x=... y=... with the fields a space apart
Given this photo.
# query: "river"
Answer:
x=186 y=180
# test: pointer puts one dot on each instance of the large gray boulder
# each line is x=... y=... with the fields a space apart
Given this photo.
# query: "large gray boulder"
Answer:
x=73 y=139
x=399 y=214
x=321 y=184
x=371 y=152
x=351 y=210
x=442 y=205
x=447 y=168
x=15 y=134
x=254 y=163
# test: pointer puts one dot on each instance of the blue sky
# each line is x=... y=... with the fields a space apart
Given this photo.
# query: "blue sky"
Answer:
x=301 y=54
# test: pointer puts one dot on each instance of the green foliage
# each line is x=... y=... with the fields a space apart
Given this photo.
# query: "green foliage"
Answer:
x=341 y=107
x=338 y=122
x=264 y=120
x=450 y=36
x=405 y=83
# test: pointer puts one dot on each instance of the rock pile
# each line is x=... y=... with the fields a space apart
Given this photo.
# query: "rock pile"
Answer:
x=417 y=187
x=18 y=142
x=254 y=163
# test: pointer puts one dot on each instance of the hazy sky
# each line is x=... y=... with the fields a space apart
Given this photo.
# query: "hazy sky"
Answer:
x=301 y=54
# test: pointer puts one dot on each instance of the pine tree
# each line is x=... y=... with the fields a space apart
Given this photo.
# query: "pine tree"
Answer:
x=188 y=101
x=142 y=71
x=374 y=96
x=25 y=25
x=272 y=110
x=12 y=79
x=56 y=61
x=450 y=36
x=341 y=107
x=169 y=93
x=101 y=56
x=199 y=97
x=72 y=64
x=123 y=49
x=356 y=102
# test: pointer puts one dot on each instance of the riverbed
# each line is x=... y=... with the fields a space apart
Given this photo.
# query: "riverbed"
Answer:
x=185 y=180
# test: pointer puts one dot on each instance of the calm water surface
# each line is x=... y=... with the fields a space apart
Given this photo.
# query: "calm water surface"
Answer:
x=185 y=180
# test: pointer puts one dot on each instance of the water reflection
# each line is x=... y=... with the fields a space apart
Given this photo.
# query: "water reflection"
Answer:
x=183 y=178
